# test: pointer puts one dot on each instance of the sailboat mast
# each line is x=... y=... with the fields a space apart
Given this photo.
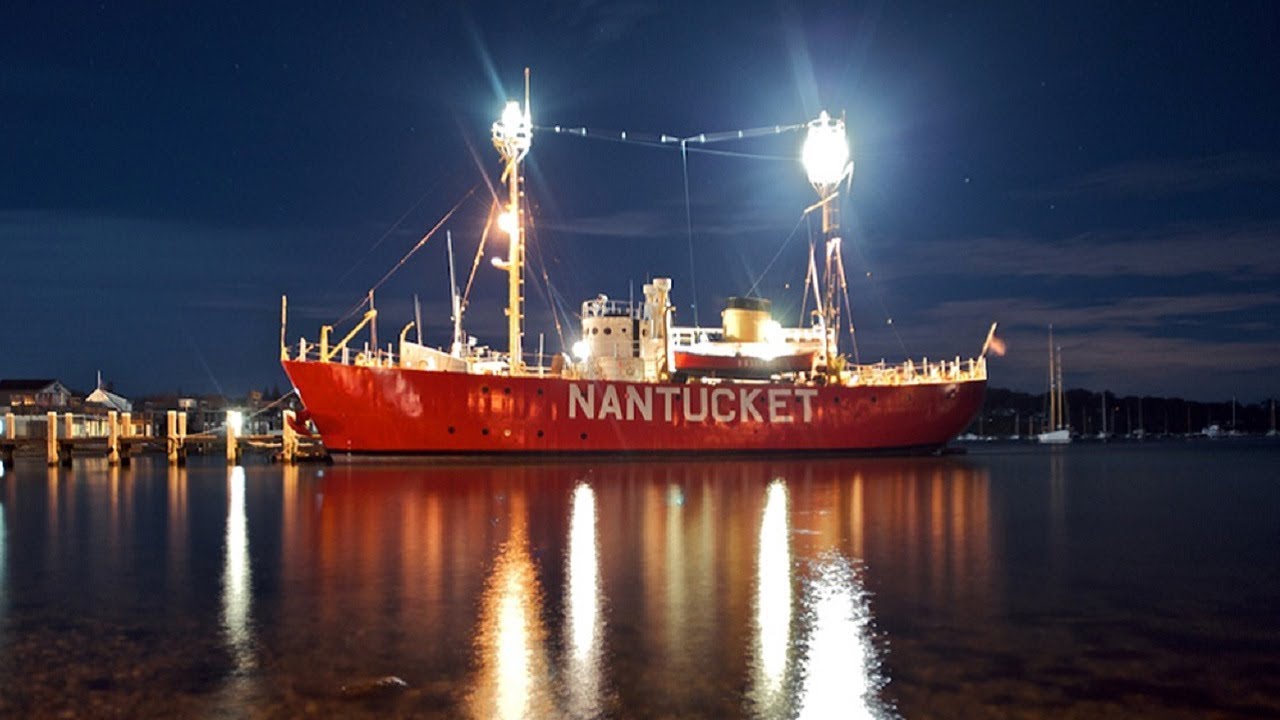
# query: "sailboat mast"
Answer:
x=1062 y=392
x=1053 y=387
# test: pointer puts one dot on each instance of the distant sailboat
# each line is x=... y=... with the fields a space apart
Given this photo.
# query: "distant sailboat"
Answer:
x=1102 y=434
x=1056 y=430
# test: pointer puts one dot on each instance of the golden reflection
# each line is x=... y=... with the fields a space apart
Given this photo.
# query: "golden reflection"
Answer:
x=176 y=499
x=513 y=680
x=54 y=513
x=773 y=603
x=583 y=620
x=4 y=575
x=236 y=592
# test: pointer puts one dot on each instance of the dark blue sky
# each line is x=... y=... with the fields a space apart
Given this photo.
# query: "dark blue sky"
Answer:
x=1109 y=168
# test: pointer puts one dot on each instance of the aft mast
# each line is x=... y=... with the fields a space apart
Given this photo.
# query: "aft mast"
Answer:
x=826 y=161
x=512 y=136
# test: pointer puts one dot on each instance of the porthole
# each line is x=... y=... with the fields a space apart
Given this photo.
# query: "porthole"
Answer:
x=608 y=331
x=539 y=433
x=583 y=436
x=484 y=431
x=539 y=391
x=873 y=398
x=484 y=390
x=506 y=391
x=451 y=429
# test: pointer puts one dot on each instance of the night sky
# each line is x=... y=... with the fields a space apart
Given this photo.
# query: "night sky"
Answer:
x=1109 y=168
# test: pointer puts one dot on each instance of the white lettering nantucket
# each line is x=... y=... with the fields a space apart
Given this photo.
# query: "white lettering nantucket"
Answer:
x=691 y=404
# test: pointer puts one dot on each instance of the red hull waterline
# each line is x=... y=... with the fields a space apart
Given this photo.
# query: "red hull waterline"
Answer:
x=365 y=412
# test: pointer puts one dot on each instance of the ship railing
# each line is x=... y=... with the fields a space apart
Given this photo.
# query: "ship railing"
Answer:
x=477 y=357
x=686 y=336
x=604 y=307
x=911 y=372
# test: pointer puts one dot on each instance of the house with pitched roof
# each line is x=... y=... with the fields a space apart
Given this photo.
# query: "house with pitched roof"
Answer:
x=33 y=395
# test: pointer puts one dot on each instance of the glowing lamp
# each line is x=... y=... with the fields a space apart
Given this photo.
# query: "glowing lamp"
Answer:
x=507 y=222
x=582 y=349
x=513 y=133
x=235 y=422
x=826 y=151
x=511 y=115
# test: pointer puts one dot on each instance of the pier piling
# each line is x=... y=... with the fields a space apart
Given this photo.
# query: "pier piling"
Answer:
x=113 y=438
x=289 y=439
x=66 y=445
x=234 y=419
x=171 y=436
x=51 y=439
x=10 y=445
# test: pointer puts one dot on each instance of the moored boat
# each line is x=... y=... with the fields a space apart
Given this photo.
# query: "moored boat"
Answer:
x=636 y=382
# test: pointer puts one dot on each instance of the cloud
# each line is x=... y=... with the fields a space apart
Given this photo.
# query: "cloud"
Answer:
x=1148 y=344
x=1240 y=250
x=1165 y=177
x=1150 y=312
x=651 y=224
x=601 y=22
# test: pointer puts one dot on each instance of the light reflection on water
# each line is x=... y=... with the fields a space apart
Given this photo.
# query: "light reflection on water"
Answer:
x=773 y=604
x=513 y=677
x=236 y=597
x=771 y=588
x=841 y=672
x=583 y=611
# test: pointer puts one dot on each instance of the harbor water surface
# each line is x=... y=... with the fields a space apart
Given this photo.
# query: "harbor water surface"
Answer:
x=1016 y=581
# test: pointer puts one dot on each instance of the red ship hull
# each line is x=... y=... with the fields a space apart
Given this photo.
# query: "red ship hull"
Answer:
x=371 y=412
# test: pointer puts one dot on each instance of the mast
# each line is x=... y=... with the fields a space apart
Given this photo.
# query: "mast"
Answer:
x=1052 y=384
x=825 y=156
x=1062 y=393
x=455 y=301
x=1104 y=414
x=512 y=136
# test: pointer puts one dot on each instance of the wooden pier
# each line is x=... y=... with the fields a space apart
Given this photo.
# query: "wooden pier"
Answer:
x=122 y=441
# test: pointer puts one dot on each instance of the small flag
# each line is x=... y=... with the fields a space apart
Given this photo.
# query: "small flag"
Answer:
x=993 y=343
x=997 y=346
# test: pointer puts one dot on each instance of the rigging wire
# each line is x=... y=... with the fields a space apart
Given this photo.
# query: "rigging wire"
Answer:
x=665 y=141
x=546 y=278
x=475 y=262
x=688 y=225
x=387 y=234
x=414 y=249
x=848 y=308
x=875 y=290
x=777 y=255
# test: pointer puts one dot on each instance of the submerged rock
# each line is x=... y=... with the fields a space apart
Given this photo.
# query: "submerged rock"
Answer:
x=373 y=688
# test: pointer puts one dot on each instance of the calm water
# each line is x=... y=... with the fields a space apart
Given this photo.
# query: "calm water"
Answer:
x=1091 y=582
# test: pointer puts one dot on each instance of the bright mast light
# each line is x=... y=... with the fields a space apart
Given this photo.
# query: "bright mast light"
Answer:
x=825 y=154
